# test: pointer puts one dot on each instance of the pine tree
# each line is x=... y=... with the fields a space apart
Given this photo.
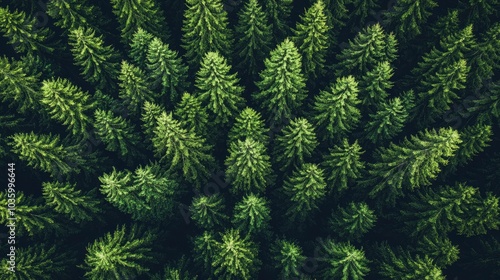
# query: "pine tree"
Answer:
x=205 y=29
x=296 y=143
x=65 y=199
x=483 y=216
x=282 y=85
x=252 y=215
x=388 y=121
x=190 y=112
x=446 y=25
x=208 y=211
x=119 y=255
x=116 y=132
x=288 y=258
x=375 y=84
x=150 y=112
x=68 y=104
x=146 y=14
x=279 y=12
x=409 y=17
x=344 y=261
x=353 y=221
x=134 y=87
x=17 y=86
x=480 y=12
x=305 y=189
x=413 y=163
x=484 y=58
x=71 y=14
x=99 y=64
x=337 y=12
x=181 y=149
x=205 y=247
x=362 y=9
x=335 y=109
x=312 y=40
x=248 y=167
x=254 y=38
x=23 y=33
x=343 y=164
x=218 y=90
x=167 y=71
x=249 y=124
x=236 y=257
x=439 y=248
x=139 y=46
x=474 y=139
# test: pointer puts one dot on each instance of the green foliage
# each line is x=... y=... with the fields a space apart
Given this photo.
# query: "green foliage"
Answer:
x=208 y=211
x=248 y=167
x=282 y=83
x=116 y=132
x=218 y=90
x=296 y=143
x=279 y=12
x=99 y=64
x=335 y=110
x=205 y=247
x=252 y=215
x=375 y=84
x=134 y=87
x=288 y=258
x=65 y=199
x=17 y=86
x=446 y=25
x=344 y=261
x=474 y=139
x=353 y=221
x=150 y=112
x=139 y=46
x=439 y=248
x=205 y=29
x=485 y=58
x=254 y=37
x=363 y=9
x=192 y=114
x=409 y=17
x=71 y=14
x=249 y=124
x=119 y=255
x=388 y=121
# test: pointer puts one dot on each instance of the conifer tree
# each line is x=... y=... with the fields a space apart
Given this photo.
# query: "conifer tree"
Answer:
x=484 y=58
x=344 y=261
x=279 y=12
x=208 y=211
x=413 y=163
x=288 y=258
x=236 y=257
x=337 y=12
x=150 y=112
x=446 y=25
x=474 y=139
x=388 y=120
x=65 y=199
x=139 y=46
x=249 y=124
x=167 y=71
x=254 y=38
x=305 y=189
x=335 y=109
x=343 y=164
x=67 y=104
x=116 y=132
x=353 y=221
x=181 y=149
x=19 y=29
x=71 y=14
x=192 y=114
x=311 y=38
x=205 y=247
x=375 y=84
x=409 y=17
x=296 y=143
x=362 y=9
x=252 y=215
x=205 y=29
x=248 y=167
x=282 y=85
x=99 y=64
x=218 y=89
x=146 y=14
x=480 y=12
x=119 y=255
x=134 y=87
x=439 y=248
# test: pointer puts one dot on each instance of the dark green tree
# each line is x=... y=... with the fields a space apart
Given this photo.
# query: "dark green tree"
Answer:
x=192 y=115
x=279 y=12
x=71 y=14
x=115 y=132
x=205 y=247
x=139 y=46
x=446 y=25
x=134 y=87
x=343 y=261
x=388 y=120
x=353 y=221
x=150 y=112
x=288 y=258
x=439 y=248
x=249 y=124
x=218 y=89
x=409 y=17
x=375 y=84
x=484 y=58
x=208 y=211
x=475 y=139
x=252 y=215
x=363 y=9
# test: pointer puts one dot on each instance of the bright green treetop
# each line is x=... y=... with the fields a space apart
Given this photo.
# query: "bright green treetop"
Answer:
x=208 y=211
x=439 y=248
x=134 y=87
x=116 y=132
x=375 y=84
x=344 y=261
x=353 y=221
x=288 y=258
x=71 y=14
x=192 y=114
x=139 y=45
x=252 y=215
x=388 y=120
x=249 y=124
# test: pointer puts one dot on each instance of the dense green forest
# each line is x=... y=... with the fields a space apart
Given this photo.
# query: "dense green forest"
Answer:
x=250 y=139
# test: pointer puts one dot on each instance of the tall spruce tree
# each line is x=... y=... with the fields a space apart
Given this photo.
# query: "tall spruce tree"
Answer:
x=71 y=14
x=139 y=46
x=249 y=124
x=252 y=215
x=279 y=12
x=388 y=120
x=353 y=221
x=192 y=114
x=208 y=211
x=134 y=87
x=475 y=139
x=150 y=112
x=344 y=261
x=205 y=246
x=375 y=84
x=288 y=258
x=439 y=248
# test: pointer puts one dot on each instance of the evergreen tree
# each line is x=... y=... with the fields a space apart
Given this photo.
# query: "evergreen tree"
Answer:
x=474 y=139
x=484 y=58
x=439 y=248
x=446 y=25
x=71 y=14
x=134 y=87
x=296 y=143
x=192 y=114
x=181 y=149
x=487 y=105
x=145 y=14
x=344 y=164
x=119 y=255
x=249 y=124
x=362 y=9
x=311 y=38
x=23 y=33
x=282 y=85
x=254 y=38
x=65 y=199
x=235 y=257
x=150 y=112
x=248 y=167
x=480 y=12
x=409 y=17
x=375 y=84
x=139 y=46
x=205 y=247
x=337 y=12
x=304 y=189
x=208 y=211
x=413 y=163
x=218 y=89
x=252 y=215
x=67 y=104
x=279 y=12
x=388 y=121
x=167 y=71
x=335 y=109
x=116 y=132
x=344 y=261
x=99 y=64
x=205 y=29
x=288 y=258
x=353 y=221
